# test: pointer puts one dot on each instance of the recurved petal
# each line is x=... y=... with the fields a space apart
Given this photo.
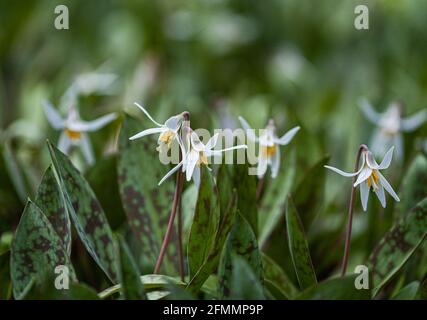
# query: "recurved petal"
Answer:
x=387 y=159
x=249 y=131
x=147 y=114
x=94 y=125
x=147 y=132
x=262 y=166
x=381 y=195
x=343 y=173
x=53 y=116
x=287 y=137
x=174 y=123
x=275 y=163
x=191 y=162
x=171 y=172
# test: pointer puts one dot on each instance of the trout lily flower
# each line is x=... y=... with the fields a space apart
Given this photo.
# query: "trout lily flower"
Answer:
x=390 y=126
x=196 y=154
x=369 y=177
x=168 y=131
x=74 y=130
x=269 y=154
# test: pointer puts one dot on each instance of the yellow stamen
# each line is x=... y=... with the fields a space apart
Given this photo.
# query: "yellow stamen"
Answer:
x=202 y=159
x=73 y=135
x=373 y=179
x=167 y=137
x=268 y=151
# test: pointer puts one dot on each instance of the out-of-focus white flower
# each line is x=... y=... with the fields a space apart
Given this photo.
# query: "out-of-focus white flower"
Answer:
x=390 y=125
x=369 y=177
x=74 y=130
x=268 y=141
x=168 y=131
x=195 y=153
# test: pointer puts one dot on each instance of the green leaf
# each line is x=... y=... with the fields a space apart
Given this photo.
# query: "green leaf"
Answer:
x=6 y=284
x=409 y=292
x=244 y=244
x=398 y=245
x=273 y=203
x=422 y=291
x=298 y=246
x=129 y=275
x=246 y=186
x=308 y=196
x=342 y=288
x=36 y=250
x=274 y=274
x=224 y=271
x=86 y=213
x=212 y=260
x=102 y=177
x=244 y=283
x=51 y=202
x=205 y=223
x=75 y=291
x=146 y=204
x=414 y=184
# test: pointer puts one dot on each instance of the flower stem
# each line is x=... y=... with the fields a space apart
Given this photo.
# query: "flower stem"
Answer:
x=350 y=213
x=176 y=206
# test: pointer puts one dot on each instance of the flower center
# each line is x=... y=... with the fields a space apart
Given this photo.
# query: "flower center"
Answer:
x=73 y=135
x=167 y=137
x=268 y=151
x=202 y=159
x=373 y=180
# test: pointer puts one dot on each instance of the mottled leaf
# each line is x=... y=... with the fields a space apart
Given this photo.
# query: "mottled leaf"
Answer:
x=277 y=277
x=102 y=177
x=308 y=196
x=245 y=244
x=298 y=246
x=146 y=204
x=36 y=251
x=86 y=213
x=129 y=275
x=212 y=260
x=224 y=271
x=342 y=288
x=398 y=245
x=414 y=184
x=205 y=223
x=244 y=283
x=274 y=200
x=246 y=186
x=51 y=202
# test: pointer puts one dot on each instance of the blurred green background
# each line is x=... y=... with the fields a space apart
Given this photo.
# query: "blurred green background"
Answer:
x=299 y=62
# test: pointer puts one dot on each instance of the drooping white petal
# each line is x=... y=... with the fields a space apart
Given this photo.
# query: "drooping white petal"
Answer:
x=94 y=82
x=387 y=187
x=275 y=163
x=171 y=172
x=413 y=122
x=387 y=159
x=343 y=173
x=380 y=194
x=53 y=116
x=262 y=166
x=370 y=113
x=219 y=152
x=86 y=147
x=147 y=114
x=249 y=131
x=196 y=144
x=364 y=174
x=64 y=143
x=174 y=123
x=192 y=158
x=212 y=141
x=85 y=126
x=287 y=137
x=398 y=143
x=147 y=132
x=370 y=160
x=364 y=195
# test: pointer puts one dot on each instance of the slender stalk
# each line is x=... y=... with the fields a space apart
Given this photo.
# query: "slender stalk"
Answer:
x=180 y=253
x=350 y=212
x=175 y=205
x=260 y=188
